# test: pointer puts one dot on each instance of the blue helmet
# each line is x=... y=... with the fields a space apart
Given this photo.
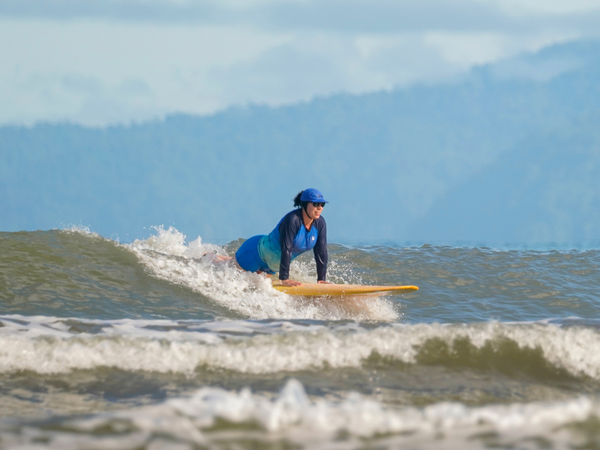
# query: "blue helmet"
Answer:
x=312 y=195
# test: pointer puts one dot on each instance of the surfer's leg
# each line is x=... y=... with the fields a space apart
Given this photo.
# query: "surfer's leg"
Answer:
x=216 y=258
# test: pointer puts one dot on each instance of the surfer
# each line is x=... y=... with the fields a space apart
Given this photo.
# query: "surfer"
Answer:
x=298 y=231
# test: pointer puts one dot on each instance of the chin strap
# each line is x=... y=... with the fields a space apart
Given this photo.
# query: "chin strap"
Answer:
x=307 y=214
x=305 y=209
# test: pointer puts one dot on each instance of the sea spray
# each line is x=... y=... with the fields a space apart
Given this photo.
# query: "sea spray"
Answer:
x=168 y=257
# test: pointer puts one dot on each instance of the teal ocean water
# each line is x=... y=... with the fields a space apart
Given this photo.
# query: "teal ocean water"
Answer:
x=149 y=345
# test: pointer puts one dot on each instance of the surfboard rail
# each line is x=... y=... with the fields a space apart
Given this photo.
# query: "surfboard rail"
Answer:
x=337 y=290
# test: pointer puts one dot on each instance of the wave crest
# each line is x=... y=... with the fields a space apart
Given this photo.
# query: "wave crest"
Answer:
x=50 y=345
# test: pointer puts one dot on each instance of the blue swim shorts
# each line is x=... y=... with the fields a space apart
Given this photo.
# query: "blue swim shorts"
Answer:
x=248 y=257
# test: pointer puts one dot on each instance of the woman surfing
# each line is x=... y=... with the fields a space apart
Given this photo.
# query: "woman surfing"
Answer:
x=299 y=231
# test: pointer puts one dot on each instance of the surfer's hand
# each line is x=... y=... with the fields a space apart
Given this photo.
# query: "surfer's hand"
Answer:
x=290 y=283
x=324 y=282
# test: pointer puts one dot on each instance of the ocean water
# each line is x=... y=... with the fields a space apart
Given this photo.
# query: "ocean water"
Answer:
x=151 y=345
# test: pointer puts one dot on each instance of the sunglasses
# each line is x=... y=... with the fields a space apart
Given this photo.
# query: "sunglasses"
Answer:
x=316 y=205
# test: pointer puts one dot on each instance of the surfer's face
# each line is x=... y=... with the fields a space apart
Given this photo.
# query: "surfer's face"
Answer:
x=314 y=211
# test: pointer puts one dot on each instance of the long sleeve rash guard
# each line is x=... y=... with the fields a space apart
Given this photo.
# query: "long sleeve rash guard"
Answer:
x=289 y=239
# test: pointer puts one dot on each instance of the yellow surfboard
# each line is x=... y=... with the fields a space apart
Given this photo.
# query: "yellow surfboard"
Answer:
x=338 y=290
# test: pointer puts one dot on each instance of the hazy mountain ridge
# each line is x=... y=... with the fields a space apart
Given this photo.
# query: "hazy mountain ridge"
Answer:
x=546 y=190
x=390 y=162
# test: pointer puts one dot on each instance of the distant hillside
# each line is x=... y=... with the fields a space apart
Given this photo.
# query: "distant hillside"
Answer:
x=547 y=190
x=390 y=163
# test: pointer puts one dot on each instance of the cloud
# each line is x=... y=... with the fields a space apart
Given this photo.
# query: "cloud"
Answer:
x=302 y=69
x=385 y=16
x=130 y=10
x=77 y=98
x=50 y=70
x=102 y=60
x=343 y=16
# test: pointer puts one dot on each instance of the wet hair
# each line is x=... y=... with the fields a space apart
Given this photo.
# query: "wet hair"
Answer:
x=299 y=203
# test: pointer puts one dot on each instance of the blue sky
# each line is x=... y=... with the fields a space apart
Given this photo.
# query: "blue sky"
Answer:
x=100 y=62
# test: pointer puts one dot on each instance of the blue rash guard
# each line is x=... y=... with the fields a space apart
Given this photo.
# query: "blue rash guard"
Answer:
x=289 y=239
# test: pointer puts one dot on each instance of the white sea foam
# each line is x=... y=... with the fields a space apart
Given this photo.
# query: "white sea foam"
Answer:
x=167 y=256
x=48 y=345
x=81 y=230
x=311 y=423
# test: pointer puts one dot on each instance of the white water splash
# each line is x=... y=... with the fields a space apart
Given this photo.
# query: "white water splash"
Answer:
x=292 y=416
x=167 y=256
x=49 y=345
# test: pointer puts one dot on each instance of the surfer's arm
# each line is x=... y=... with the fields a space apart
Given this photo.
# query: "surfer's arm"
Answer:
x=287 y=232
x=320 y=250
